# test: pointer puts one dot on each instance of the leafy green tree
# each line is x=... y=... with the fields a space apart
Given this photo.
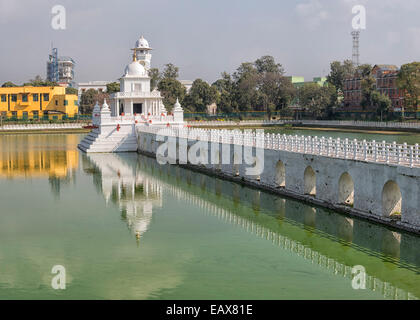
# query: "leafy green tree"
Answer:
x=113 y=87
x=368 y=83
x=87 y=101
x=8 y=84
x=39 y=82
x=258 y=85
x=316 y=98
x=171 y=89
x=266 y=64
x=278 y=90
x=170 y=71
x=154 y=78
x=200 y=96
x=225 y=90
x=364 y=70
x=338 y=73
x=409 y=82
x=382 y=103
x=245 y=89
x=70 y=90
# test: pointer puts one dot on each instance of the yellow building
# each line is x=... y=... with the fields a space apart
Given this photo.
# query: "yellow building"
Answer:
x=37 y=102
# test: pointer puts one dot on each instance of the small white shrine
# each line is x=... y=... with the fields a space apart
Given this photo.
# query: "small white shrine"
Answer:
x=115 y=126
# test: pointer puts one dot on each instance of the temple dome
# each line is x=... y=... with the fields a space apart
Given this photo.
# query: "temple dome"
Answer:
x=135 y=69
x=142 y=43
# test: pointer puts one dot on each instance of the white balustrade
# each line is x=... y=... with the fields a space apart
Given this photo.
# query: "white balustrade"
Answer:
x=370 y=151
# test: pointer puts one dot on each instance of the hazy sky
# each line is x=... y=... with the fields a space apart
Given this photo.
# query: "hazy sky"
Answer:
x=203 y=37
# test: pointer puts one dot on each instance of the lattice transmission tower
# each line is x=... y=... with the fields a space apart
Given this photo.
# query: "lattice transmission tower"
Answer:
x=355 y=56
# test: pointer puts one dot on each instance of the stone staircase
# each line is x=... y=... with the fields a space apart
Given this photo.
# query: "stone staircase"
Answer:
x=111 y=142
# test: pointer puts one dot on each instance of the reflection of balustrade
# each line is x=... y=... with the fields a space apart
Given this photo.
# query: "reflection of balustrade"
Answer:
x=372 y=283
x=375 y=284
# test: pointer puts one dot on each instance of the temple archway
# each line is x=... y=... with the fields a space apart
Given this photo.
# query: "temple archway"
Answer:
x=280 y=174
x=309 y=178
x=346 y=189
x=391 y=199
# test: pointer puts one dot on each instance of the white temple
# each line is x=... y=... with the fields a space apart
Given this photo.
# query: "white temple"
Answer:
x=115 y=127
x=135 y=96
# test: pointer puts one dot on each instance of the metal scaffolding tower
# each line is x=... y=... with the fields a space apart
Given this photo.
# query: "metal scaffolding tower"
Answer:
x=52 y=66
x=355 y=55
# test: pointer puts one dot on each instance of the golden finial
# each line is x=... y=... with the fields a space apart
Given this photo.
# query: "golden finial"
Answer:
x=134 y=55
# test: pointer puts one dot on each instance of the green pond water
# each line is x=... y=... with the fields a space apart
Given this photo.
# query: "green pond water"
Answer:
x=125 y=227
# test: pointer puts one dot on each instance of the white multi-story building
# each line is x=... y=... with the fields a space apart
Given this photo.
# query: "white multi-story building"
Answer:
x=96 y=85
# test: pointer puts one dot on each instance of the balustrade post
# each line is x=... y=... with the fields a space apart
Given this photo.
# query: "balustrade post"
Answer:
x=395 y=148
x=329 y=146
x=346 y=144
x=411 y=156
x=364 y=150
x=374 y=150
x=318 y=143
x=383 y=155
x=354 y=148
x=337 y=144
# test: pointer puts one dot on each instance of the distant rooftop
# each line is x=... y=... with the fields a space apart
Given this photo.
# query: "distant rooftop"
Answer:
x=94 y=83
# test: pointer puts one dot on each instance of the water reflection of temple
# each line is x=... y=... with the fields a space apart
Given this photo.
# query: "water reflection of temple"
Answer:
x=331 y=241
x=125 y=186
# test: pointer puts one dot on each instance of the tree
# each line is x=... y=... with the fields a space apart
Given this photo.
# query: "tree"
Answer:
x=154 y=78
x=112 y=87
x=267 y=64
x=368 y=88
x=171 y=89
x=200 y=96
x=88 y=100
x=338 y=73
x=315 y=98
x=225 y=89
x=8 y=84
x=409 y=82
x=170 y=71
x=258 y=85
x=381 y=102
x=277 y=89
x=39 y=82
x=70 y=90
x=245 y=86
x=364 y=70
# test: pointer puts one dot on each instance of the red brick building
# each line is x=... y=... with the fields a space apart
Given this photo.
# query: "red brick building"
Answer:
x=386 y=83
